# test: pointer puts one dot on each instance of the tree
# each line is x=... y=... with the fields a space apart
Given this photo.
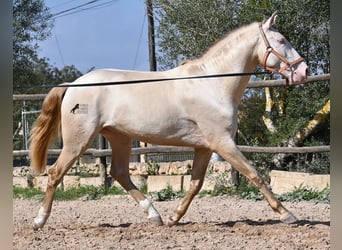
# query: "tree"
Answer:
x=32 y=23
x=187 y=28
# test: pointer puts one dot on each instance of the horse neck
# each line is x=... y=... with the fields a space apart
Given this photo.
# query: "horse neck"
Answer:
x=236 y=53
x=233 y=54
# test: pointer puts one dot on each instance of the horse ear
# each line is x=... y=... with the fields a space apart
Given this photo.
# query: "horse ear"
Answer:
x=271 y=22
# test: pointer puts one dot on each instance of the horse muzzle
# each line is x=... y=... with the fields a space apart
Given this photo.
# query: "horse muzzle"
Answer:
x=296 y=74
x=300 y=74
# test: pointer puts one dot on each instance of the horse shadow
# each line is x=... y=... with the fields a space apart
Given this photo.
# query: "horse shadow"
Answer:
x=272 y=222
x=233 y=223
x=122 y=225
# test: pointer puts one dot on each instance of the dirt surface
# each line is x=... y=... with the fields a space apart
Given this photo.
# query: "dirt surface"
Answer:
x=117 y=222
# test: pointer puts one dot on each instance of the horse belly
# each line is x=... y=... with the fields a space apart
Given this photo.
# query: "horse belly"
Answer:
x=155 y=120
x=162 y=129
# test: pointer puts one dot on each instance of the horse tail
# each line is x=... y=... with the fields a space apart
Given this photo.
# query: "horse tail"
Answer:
x=46 y=128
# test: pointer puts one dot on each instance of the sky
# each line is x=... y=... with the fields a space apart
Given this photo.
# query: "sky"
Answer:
x=101 y=34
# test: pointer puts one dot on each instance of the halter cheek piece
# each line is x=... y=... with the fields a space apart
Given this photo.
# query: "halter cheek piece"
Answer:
x=270 y=50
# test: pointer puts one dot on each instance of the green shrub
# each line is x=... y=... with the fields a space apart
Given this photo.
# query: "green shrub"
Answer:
x=152 y=168
x=168 y=194
x=302 y=193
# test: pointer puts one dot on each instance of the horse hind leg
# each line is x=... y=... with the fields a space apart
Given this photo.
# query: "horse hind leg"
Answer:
x=121 y=149
x=70 y=152
x=55 y=175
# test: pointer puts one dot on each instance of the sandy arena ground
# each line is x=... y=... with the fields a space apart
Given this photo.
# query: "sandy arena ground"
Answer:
x=117 y=222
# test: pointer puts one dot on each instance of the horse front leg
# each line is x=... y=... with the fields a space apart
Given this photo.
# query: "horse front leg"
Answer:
x=200 y=163
x=229 y=151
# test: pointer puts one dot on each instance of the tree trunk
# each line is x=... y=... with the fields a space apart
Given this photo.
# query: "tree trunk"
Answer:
x=268 y=109
x=304 y=133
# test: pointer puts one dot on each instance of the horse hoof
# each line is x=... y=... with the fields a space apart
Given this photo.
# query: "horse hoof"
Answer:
x=170 y=222
x=288 y=218
x=156 y=220
x=36 y=226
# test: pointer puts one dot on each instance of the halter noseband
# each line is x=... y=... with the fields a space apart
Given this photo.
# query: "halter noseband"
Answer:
x=270 y=50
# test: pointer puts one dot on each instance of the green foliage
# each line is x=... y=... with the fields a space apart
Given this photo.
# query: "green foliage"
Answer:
x=27 y=193
x=152 y=168
x=187 y=28
x=244 y=191
x=248 y=191
x=32 y=23
x=168 y=194
x=302 y=193
x=143 y=187
x=86 y=192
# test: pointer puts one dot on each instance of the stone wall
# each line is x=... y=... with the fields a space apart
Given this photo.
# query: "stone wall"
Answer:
x=174 y=174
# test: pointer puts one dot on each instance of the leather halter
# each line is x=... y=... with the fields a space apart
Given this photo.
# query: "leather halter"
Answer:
x=269 y=50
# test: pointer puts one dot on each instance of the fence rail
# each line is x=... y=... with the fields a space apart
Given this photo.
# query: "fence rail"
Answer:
x=252 y=84
x=171 y=149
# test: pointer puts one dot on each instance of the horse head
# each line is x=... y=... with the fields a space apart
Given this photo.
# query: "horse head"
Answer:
x=277 y=54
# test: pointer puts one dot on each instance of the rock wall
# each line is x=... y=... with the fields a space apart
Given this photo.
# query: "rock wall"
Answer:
x=175 y=174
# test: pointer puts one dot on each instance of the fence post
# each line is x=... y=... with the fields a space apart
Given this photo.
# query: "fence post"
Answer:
x=235 y=174
x=103 y=162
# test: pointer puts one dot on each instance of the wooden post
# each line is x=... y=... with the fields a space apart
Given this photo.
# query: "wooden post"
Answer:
x=151 y=42
x=234 y=172
x=103 y=163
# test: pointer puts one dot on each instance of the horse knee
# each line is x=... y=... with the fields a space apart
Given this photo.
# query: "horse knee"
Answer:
x=53 y=176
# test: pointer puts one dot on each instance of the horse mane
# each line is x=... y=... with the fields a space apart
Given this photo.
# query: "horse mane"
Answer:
x=229 y=37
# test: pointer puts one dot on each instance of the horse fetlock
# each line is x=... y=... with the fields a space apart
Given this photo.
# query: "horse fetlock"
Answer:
x=41 y=218
x=153 y=214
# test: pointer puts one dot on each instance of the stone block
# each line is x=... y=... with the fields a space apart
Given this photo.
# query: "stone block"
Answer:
x=40 y=182
x=71 y=182
x=283 y=181
x=20 y=181
x=208 y=184
x=157 y=183
x=91 y=181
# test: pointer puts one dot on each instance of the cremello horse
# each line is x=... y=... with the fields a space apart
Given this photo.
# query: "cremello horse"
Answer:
x=198 y=113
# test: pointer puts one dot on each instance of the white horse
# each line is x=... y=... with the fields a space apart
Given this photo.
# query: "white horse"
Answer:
x=199 y=113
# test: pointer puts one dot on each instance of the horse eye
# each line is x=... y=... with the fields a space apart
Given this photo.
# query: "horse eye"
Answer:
x=281 y=40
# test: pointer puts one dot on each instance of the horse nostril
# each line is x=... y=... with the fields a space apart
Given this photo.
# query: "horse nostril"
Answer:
x=307 y=71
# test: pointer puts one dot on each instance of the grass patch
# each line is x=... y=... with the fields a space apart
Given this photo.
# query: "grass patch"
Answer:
x=88 y=192
x=249 y=191
x=244 y=191
x=27 y=193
